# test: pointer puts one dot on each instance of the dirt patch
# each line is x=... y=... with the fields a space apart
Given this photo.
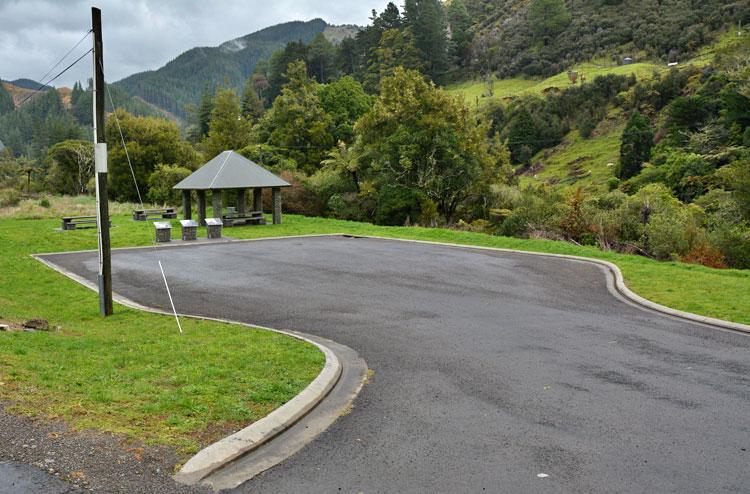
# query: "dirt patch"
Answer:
x=92 y=461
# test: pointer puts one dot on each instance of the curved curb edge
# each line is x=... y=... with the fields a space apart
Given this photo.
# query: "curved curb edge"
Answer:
x=619 y=287
x=218 y=454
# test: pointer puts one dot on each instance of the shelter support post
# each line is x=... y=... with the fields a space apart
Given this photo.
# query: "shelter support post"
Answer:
x=202 y=207
x=241 y=201
x=257 y=199
x=187 y=206
x=216 y=202
x=276 y=196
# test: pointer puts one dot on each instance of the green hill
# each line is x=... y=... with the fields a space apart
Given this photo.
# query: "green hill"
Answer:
x=544 y=37
x=181 y=81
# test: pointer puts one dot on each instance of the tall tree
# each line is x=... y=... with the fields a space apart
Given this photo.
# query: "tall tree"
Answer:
x=635 y=147
x=345 y=101
x=418 y=139
x=252 y=107
x=228 y=129
x=6 y=100
x=296 y=124
x=150 y=141
x=428 y=24
x=321 y=59
x=72 y=166
x=205 y=109
x=396 y=49
x=459 y=21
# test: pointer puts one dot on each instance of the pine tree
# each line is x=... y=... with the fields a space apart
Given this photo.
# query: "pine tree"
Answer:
x=427 y=21
x=321 y=59
x=460 y=24
x=205 y=109
x=228 y=129
x=297 y=124
x=635 y=149
x=252 y=107
x=6 y=101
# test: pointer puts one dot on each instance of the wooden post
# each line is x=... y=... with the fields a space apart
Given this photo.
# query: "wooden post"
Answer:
x=216 y=203
x=201 y=207
x=187 y=206
x=276 y=196
x=241 y=201
x=100 y=160
x=257 y=199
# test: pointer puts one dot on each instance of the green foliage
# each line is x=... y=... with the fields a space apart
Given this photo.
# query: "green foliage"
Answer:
x=345 y=101
x=228 y=129
x=297 y=125
x=150 y=141
x=161 y=181
x=72 y=166
x=417 y=137
x=396 y=49
x=6 y=101
x=427 y=22
x=41 y=122
x=460 y=23
x=321 y=59
x=510 y=43
x=637 y=141
x=547 y=19
x=252 y=107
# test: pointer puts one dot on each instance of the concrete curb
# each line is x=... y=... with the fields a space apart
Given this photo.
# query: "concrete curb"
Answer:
x=218 y=454
x=617 y=288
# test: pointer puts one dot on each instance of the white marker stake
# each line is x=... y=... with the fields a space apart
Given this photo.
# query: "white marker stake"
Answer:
x=179 y=326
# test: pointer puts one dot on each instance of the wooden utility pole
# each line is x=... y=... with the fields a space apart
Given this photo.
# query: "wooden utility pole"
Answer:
x=100 y=160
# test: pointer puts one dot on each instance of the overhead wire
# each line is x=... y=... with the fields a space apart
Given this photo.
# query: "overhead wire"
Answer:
x=43 y=83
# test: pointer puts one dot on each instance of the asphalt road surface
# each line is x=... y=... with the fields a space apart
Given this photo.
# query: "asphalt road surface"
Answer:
x=489 y=368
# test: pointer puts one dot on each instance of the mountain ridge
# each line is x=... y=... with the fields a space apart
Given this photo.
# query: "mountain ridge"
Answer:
x=230 y=62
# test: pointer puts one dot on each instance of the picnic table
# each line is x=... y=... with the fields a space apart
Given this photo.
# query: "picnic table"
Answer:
x=72 y=222
x=145 y=214
x=248 y=218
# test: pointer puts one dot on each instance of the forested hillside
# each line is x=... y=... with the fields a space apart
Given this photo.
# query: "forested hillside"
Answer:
x=180 y=82
x=543 y=37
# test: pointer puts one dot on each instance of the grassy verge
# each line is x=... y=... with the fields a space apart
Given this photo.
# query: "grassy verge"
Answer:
x=132 y=373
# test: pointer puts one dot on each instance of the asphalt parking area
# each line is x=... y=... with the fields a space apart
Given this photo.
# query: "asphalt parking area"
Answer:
x=490 y=368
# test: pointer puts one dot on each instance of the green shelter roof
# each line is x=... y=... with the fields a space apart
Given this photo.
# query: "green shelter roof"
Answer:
x=230 y=170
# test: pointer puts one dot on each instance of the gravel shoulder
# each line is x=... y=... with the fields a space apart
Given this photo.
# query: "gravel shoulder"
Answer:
x=45 y=457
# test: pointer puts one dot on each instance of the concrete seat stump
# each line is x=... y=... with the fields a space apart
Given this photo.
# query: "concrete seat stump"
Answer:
x=213 y=226
x=189 y=229
x=163 y=231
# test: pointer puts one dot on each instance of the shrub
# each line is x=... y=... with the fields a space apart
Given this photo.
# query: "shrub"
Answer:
x=734 y=243
x=161 y=181
x=9 y=197
x=44 y=202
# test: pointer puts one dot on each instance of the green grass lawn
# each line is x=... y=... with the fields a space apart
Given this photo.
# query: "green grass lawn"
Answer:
x=132 y=373
x=475 y=90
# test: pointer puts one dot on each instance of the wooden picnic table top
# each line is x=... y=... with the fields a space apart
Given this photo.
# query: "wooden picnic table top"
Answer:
x=68 y=218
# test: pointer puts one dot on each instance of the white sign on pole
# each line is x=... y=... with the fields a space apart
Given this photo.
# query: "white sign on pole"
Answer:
x=100 y=157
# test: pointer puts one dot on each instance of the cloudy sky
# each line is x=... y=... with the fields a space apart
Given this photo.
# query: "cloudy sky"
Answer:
x=144 y=34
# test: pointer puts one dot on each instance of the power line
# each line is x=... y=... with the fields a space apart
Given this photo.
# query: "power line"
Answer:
x=54 y=78
x=64 y=57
